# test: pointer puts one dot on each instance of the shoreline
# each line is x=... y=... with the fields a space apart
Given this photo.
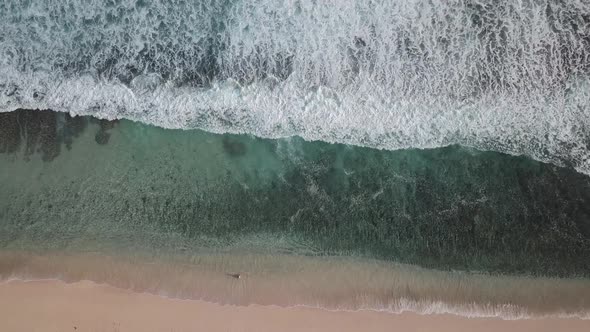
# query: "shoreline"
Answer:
x=332 y=284
x=300 y=306
x=87 y=306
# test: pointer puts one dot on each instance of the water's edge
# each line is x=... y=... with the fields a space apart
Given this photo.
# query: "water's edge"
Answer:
x=325 y=283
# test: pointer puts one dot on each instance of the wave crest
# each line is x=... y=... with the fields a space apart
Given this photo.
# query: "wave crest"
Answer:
x=391 y=75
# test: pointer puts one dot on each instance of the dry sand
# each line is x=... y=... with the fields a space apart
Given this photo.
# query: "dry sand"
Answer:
x=85 y=306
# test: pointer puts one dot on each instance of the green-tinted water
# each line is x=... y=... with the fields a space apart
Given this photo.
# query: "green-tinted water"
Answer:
x=83 y=184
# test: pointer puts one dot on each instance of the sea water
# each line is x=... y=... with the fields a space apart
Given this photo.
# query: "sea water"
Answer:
x=451 y=135
x=503 y=76
x=67 y=181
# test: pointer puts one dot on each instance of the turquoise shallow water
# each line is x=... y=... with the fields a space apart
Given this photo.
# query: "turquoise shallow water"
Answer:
x=81 y=184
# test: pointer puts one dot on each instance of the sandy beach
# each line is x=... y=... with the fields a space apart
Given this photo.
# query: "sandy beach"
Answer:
x=333 y=283
x=87 y=306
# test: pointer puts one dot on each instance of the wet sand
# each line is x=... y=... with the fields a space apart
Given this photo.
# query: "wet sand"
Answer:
x=86 y=306
x=324 y=282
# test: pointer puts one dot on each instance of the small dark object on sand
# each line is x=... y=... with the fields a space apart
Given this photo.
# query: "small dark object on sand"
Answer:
x=234 y=275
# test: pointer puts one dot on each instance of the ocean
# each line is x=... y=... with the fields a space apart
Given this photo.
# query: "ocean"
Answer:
x=444 y=145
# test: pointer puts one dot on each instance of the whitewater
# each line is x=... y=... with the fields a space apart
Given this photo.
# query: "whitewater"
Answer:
x=505 y=76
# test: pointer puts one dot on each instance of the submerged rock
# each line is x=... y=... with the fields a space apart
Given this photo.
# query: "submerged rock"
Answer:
x=233 y=147
x=74 y=126
x=102 y=136
x=10 y=137
x=37 y=129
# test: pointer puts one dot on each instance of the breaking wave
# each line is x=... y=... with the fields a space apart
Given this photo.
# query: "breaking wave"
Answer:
x=504 y=76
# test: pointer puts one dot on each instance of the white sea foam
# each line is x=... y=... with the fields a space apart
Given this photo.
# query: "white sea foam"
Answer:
x=386 y=74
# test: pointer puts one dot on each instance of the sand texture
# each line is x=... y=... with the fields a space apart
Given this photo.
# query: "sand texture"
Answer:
x=86 y=306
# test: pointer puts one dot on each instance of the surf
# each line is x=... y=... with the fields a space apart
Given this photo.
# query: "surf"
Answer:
x=391 y=75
